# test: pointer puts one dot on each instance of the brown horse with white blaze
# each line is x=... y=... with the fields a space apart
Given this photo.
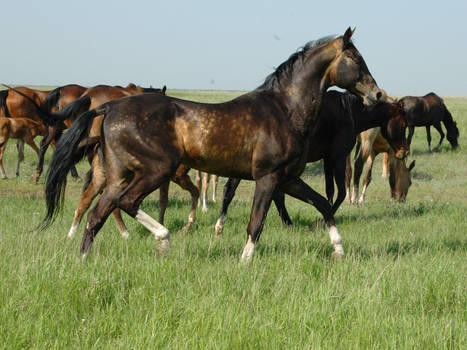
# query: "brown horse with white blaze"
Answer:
x=146 y=137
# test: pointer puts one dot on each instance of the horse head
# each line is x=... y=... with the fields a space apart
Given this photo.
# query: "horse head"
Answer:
x=394 y=130
x=349 y=71
x=400 y=179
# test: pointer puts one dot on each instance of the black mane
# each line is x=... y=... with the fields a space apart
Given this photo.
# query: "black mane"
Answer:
x=284 y=71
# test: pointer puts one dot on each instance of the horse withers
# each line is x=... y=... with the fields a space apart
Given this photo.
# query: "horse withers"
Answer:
x=146 y=137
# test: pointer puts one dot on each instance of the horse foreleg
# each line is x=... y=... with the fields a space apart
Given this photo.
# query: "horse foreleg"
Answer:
x=163 y=200
x=358 y=169
x=3 y=142
x=120 y=223
x=428 y=137
x=229 y=192
x=410 y=135
x=437 y=126
x=20 y=148
x=367 y=179
x=264 y=191
x=300 y=190
x=385 y=164
x=329 y=179
x=182 y=179
x=214 y=181
x=348 y=177
x=204 y=191
x=49 y=136
x=340 y=166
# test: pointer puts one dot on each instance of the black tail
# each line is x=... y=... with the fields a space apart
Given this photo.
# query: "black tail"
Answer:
x=72 y=109
x=51 y=100
x=66 y=154
x=3 y=96
x=452 y=133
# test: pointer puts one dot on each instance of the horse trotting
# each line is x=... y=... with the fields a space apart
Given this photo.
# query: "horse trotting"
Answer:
x=146 y=137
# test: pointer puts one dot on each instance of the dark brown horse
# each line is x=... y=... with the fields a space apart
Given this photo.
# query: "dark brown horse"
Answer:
x=341 y=118
x=430 y=110
x=65 y=103
x=262 y=135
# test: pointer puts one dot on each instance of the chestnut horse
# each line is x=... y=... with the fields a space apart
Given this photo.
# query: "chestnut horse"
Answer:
x=65 y=103
x=261 y=136
x=430 y=110
x=373 y=143
x=341 y=117
x=23 y=129
x=202 y=182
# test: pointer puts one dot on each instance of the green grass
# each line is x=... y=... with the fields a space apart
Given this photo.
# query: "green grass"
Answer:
x=402 y=284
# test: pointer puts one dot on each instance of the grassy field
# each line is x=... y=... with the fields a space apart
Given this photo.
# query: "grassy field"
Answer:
x=402 y=284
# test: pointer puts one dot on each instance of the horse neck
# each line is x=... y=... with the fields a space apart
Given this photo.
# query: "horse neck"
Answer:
x=304 y=91
x=365 y=119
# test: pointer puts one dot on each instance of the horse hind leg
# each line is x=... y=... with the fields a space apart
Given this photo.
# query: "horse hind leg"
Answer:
x=214 y=181
x=437 y=126
x=385 y=171
x=204 y=191
x=428 y=137
x=229 y=192
x=20 y=148
x=367 y=179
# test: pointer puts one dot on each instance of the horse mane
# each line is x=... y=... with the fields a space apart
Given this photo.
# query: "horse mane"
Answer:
x=285 y=69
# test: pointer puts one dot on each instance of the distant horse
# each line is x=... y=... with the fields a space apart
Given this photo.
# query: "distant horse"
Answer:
x=23 y=102
x=430 y=110
x=341 y=117
x=261 y=136
x=373 y=143
x=202 y=182
x=65 y=103
x=24 y=129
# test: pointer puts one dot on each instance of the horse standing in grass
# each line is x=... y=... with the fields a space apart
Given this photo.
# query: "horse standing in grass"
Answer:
x=23 y=102
x=341 y=117
x=373 y=143
x=430 y=110
x=23 y=129
x=146 y=137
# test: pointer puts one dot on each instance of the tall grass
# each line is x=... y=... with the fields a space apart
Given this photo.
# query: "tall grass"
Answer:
x=402 y=283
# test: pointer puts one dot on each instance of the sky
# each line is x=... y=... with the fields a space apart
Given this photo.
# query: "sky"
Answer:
x=410 y=47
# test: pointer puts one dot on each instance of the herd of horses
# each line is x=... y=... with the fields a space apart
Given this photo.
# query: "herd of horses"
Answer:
x=139 y=139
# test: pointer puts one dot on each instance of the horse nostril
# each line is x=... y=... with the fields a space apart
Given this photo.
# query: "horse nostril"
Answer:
x=379 y=95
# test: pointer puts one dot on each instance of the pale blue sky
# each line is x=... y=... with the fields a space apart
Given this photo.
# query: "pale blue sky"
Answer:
x=411 y=47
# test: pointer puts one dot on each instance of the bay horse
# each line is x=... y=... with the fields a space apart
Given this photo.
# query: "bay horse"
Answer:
x=341 y=118
x=65 y=103
x=430 y=110
x=23 y=129
x=146 y=137
x=372 y=143
x=23 y=102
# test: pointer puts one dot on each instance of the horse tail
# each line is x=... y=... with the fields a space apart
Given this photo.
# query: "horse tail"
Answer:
x=67 y=153
x=3 y=97
x=51 y=100
x=452 y=132
x=72 y=109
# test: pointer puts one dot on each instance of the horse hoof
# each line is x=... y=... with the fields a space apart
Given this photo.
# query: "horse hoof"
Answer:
x=126 y=234
x=164 y=246
x=218 y=228
x=337 y=255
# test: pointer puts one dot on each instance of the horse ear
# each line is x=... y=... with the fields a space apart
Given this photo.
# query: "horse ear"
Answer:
x=412 y=165
x=164 y=89
x=348 y=35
